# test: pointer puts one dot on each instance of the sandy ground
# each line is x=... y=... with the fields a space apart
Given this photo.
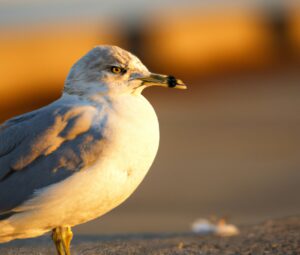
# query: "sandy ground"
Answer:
x=271 y=237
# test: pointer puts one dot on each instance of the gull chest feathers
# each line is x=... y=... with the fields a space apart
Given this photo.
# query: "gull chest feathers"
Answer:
x=131 y=138
x=84 y=154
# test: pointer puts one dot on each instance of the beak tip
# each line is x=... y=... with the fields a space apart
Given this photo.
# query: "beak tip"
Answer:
x=175 y=83
x=181 y=86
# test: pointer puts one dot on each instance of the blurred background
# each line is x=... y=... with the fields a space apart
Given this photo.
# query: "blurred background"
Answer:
x=229 y=144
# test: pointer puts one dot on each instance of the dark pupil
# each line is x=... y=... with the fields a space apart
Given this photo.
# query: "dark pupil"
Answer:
x=115 y=69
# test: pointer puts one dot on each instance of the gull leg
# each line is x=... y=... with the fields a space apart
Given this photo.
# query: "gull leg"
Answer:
x=62 y=237
x=58 y=241
x=67 y=237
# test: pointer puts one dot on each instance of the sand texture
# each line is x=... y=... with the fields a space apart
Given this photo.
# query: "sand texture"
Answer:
x=271 y=237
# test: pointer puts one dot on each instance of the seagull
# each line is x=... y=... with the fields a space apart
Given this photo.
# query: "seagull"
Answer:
x=82 y=155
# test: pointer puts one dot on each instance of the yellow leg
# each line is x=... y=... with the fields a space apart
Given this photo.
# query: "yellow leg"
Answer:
x=62 y=237
x=57 y=239
x=67 y=237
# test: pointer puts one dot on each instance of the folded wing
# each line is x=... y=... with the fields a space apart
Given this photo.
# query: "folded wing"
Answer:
x=46 y=146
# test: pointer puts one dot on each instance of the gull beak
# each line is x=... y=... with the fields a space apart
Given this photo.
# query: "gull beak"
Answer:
x=167 y=81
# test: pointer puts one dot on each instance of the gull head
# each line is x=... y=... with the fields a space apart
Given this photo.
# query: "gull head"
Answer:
x=112 y=70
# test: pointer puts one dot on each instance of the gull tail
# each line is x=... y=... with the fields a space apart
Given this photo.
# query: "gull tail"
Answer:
x=6 y=231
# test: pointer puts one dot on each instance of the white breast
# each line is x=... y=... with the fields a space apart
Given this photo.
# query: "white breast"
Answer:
x=133 y=136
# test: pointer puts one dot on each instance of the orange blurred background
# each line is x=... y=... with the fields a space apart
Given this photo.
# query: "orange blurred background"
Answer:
x=229 y=145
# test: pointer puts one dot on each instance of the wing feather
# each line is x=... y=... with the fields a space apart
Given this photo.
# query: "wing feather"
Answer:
x=46 y=146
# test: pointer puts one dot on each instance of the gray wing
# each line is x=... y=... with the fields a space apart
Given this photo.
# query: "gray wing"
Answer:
x=44 y=147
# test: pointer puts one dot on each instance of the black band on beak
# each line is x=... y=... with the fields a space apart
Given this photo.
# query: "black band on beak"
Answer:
x=172 y=81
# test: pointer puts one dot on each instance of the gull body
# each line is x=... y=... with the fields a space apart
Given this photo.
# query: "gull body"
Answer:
x=130 y=145
x=84 y=154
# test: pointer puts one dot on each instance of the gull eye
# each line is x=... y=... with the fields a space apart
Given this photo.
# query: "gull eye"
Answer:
x=117 y=70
